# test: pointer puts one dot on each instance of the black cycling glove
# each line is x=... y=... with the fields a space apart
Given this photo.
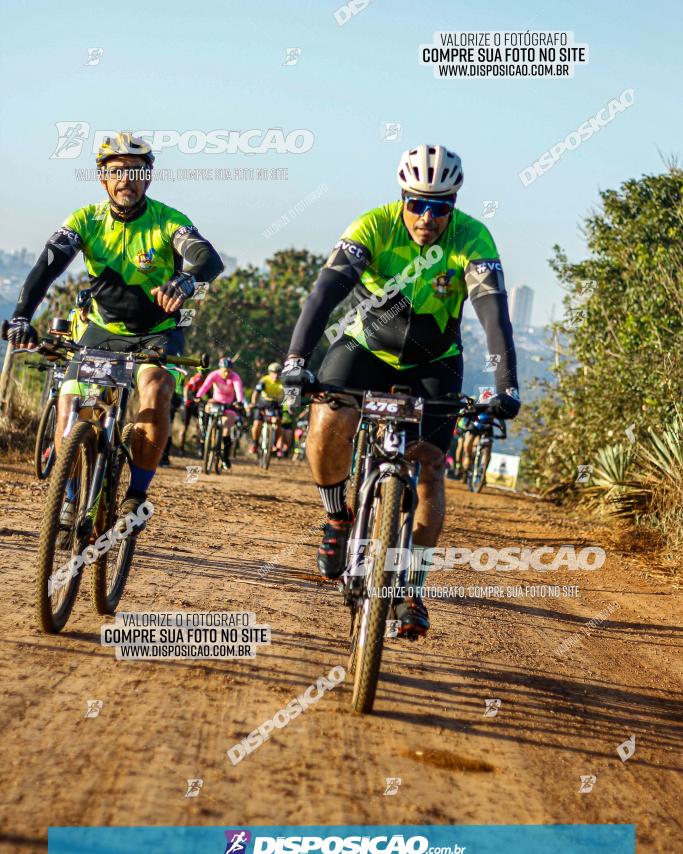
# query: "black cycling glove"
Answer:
x=181 y=286
x=295 y=373
x=505 y=405
x=19 y=332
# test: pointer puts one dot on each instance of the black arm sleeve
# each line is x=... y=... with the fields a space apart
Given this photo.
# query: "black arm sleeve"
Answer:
x=196 y=255
x=59 y=252
x=337 y=279
x=492 y=311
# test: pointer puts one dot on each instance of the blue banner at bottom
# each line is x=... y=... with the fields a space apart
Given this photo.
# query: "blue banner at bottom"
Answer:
x=347 y=839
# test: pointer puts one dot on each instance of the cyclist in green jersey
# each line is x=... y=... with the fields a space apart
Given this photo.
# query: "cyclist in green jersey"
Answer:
x=144 y=260
x=409 y=266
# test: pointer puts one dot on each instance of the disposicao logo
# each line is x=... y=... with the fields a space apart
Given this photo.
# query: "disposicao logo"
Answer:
x=396 y=844
x=237 y=841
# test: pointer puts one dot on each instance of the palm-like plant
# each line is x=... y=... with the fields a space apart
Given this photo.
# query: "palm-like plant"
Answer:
x=610 y=480
x=646 y=481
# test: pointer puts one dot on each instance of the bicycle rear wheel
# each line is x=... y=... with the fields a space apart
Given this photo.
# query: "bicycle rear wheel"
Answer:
x=44 y=454
x=110 y=572
x=359 y=446
x=373 y=616
x=58 y=579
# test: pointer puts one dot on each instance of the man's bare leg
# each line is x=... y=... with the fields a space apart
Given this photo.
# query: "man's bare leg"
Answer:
x=153 y=424
x=329 y=446
x=431 y=506
x=63 y=410
x=329 y=450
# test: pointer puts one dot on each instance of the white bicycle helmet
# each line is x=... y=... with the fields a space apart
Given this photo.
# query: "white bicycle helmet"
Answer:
x=430 y=170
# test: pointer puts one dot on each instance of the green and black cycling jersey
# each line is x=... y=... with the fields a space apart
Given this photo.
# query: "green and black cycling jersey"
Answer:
x=407 y=300
x=125 y=260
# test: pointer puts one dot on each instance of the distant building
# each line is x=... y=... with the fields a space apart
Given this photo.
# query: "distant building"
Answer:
x=229 y=263
x=25 y=257
x=521 y=303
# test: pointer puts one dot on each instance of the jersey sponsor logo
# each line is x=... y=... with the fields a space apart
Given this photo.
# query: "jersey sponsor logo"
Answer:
x=184 y=229
x=484 y=276
x=352 y=248
x=67 y=239
x=441 y=285
x=486 y=266
x=145 y=261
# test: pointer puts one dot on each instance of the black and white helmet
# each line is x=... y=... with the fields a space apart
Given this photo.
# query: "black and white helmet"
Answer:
x=430 y=170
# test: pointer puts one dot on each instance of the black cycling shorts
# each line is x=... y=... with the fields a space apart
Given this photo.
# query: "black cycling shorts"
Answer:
x=348 y=364
x=191 y=411
x=266 y=407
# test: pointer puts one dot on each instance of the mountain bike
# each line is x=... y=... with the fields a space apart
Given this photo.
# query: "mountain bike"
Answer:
x=271 y=416
x=483 y=440
x=93 y=462
x=373 y=584
x=44 y=451
x=213 y=436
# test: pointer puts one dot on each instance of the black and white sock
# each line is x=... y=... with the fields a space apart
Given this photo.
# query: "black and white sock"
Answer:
x=334 y=501
x=419 y=567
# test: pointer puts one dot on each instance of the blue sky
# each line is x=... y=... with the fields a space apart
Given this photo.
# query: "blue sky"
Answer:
x=220 y=65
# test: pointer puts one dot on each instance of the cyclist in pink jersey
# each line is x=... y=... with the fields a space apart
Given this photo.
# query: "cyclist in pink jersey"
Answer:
x=226 y=387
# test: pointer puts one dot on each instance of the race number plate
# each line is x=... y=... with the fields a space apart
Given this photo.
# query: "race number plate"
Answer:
x=399 y=407
x=214 y=408
x=114 y=369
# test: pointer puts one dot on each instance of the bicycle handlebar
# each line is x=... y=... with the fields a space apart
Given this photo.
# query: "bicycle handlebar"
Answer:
x=461 y=404
x=49 y=347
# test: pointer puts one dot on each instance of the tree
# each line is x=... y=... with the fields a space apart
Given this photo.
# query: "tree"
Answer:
x=623 y=330
x=253 y=312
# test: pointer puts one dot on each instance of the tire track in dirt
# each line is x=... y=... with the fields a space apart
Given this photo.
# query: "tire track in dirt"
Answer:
x=244 y=541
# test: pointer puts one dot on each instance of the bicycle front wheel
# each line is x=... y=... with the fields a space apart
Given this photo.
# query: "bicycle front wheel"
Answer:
x=373 y=617
x=359 y=446
x=60 y=546
x=44 y=455
x=266 y=446
x=110 y=573
x=211 y=436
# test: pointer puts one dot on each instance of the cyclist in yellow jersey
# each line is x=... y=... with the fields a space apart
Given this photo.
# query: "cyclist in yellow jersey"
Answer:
x=78 y=316
x=268 y=394
x=144 y=260
x=408 y=266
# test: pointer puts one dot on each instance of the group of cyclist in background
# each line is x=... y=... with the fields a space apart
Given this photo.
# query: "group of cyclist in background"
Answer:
x=224 y=387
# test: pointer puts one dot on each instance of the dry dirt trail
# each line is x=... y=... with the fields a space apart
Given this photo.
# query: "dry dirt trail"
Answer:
x=561 y=716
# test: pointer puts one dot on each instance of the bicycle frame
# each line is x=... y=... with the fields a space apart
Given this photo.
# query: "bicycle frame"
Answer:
x=381 y=462
x=108 y=416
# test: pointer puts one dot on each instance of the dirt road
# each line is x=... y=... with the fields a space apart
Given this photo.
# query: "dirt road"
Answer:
x=561 y=716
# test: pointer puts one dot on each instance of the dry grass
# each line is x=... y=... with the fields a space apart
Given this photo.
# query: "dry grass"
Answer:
x=18 y=430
